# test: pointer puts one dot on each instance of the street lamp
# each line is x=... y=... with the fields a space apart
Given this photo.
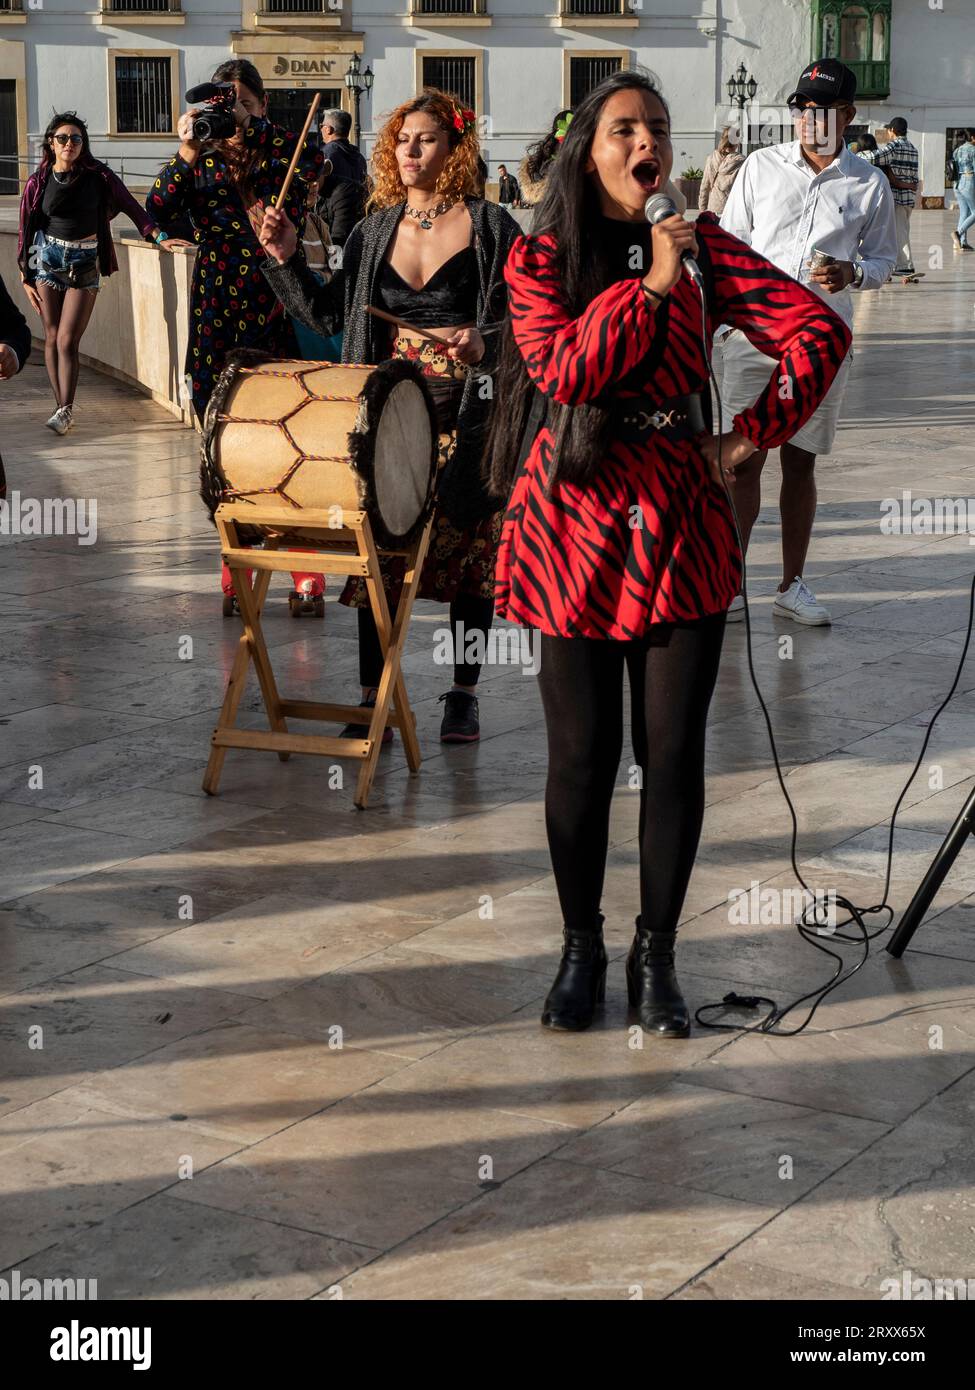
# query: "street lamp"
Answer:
x=741 y=88
x=352 y=75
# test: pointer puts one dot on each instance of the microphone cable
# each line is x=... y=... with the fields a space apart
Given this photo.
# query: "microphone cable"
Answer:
x=810 y=931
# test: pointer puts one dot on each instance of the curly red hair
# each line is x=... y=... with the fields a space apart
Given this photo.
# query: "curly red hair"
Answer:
x=459 y=178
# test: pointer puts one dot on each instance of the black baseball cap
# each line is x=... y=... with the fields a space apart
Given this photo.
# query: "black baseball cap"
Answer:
x=825 y=81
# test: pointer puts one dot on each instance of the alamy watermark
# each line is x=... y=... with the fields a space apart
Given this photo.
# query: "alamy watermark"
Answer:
x=911 y=1288
x=908 y=515
x=757 y=906
x=499 y=646
x=16 y=1289
x=50 y=516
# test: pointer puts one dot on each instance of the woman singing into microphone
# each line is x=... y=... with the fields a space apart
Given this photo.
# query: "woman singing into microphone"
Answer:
x=619 y=542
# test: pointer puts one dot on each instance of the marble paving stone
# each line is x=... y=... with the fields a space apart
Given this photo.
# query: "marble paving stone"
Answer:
x=271 y=945
x=111 y=768
x=94 y=1018
x=570 y=1079
x=161 y=1249
x=742 y=1280
x=372 y=1170
x=405 y=1002
x=546 y=1235
x=162 y=818
x=31 y=735
x=237 y=1082
x=914 y=850
x=872 y=1048
x=524 y=930
x=909 y=1208
x=11 y=814
x=67 y=1164
x=679 y=1137
x=30 y=862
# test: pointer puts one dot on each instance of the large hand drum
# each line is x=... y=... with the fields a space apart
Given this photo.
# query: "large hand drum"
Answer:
x=325 y=436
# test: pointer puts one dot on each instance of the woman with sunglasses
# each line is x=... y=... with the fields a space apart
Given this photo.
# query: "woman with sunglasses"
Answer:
x=65 y=246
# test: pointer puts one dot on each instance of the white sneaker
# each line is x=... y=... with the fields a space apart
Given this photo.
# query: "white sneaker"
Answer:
x=736 y=610
x=800 y=603
x=62 y=420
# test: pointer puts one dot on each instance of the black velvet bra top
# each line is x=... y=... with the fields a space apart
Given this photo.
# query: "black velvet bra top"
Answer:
x=448 y=297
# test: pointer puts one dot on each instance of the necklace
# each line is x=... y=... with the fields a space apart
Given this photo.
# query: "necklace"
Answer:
x=63 y=178
x=424 y=215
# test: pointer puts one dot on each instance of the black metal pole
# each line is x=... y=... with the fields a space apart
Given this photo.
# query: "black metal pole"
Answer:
x=933 y=879
x=357 y=92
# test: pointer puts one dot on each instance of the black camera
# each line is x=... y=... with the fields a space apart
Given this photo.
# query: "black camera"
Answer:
x=216 y=119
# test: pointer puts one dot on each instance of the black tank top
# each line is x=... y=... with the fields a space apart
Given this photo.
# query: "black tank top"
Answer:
x=70 y=210
x=448 y=297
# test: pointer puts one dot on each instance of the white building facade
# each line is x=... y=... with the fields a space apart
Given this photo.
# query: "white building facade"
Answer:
x=125 y=64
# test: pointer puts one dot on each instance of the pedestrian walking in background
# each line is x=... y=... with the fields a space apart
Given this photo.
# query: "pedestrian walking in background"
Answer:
x=898 y=158
x=963 y=160
x=720 y=171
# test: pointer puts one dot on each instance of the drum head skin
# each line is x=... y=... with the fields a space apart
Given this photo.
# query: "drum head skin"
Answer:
x=390 y=451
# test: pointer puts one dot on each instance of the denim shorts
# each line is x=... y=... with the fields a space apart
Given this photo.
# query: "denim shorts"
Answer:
x=52 y=258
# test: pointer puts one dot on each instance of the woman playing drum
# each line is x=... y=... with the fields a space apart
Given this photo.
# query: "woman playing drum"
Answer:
x=432 y=253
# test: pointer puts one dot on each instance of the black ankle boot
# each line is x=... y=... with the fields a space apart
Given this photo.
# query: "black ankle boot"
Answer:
x=652 y=985
x=580 y=983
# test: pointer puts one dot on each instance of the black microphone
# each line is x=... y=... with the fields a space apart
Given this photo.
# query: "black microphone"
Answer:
x=656 y=209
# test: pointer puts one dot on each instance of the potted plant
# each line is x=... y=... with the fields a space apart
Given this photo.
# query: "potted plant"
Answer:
x=689 y=184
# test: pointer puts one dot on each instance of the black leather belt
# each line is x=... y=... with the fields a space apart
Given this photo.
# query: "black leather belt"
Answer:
x=638 y=418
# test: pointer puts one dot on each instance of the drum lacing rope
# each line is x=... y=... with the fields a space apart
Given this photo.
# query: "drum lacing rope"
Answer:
x=245 y=495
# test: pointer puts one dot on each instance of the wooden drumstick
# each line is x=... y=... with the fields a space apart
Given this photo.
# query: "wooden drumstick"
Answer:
x=411 y=328
x=277 y=201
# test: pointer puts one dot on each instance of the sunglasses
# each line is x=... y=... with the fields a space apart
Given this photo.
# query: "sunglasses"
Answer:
x=69 y=139
x=798 y=110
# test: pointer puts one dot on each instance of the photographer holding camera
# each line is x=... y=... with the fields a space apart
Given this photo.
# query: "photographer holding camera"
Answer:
x=230 y=165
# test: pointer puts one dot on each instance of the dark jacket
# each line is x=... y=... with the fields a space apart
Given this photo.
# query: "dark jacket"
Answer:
x=347 y=161
x=508 y=190
x=117 y=199
x=341 y=205
x=13 y=326
x=343 y=300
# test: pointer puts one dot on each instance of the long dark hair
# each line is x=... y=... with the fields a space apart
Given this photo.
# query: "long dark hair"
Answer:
x=539 y=156
x=64 y=118
x=569 y=211
x=240 y=160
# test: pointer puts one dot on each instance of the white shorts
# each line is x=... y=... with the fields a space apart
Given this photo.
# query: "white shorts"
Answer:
x=745 y=375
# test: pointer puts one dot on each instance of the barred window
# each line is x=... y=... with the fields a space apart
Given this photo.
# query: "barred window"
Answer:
x=586 y=73
x=143 y=96
x=586 y=7
x=446 y=7
x=455 y=75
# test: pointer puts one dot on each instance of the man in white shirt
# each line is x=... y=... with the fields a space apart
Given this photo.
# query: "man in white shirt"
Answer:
x=789 y=200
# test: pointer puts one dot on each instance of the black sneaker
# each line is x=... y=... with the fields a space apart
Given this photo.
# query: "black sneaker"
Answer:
x=460 y=723
x=362 y=730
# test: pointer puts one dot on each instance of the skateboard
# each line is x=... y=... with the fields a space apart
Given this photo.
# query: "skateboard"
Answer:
x=913 y=278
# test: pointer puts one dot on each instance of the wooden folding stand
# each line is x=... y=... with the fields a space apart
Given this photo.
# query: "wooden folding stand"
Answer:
x=346 y=550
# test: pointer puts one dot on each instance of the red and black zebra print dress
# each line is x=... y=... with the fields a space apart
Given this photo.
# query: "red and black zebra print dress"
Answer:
x=584 y=563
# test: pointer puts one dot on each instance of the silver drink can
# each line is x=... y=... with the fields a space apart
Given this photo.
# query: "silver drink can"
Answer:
x=820 y=258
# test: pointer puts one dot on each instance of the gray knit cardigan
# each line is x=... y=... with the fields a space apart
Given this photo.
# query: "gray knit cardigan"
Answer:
x=341 y=303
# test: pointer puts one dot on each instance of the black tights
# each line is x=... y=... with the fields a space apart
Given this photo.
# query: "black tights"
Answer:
x=66 y=314
x=474 y=613
x=672 y=675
